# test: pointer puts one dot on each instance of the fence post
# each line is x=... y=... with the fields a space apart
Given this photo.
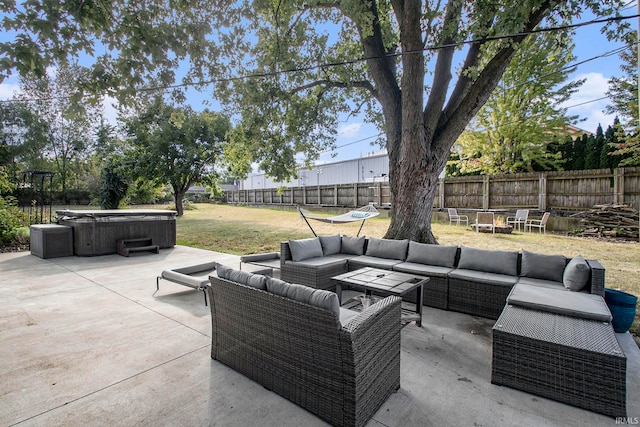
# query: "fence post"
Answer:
x=335 y=194
x=542 y=192
x=355 y=194
x=441 y=193
x=618 y=186
x=485 y=192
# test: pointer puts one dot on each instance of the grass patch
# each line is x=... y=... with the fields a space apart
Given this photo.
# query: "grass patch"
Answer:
x=245 y=230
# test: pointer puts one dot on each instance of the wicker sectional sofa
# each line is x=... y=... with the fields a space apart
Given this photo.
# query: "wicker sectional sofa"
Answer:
x=298 y=342
x=553 y=336
x=464 y=279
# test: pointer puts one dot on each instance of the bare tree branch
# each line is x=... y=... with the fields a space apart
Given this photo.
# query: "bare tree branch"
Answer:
x=442 y=73
x=477 y=94
x=327 y=84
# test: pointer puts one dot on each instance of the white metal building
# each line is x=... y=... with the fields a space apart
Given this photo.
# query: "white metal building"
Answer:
x=370 y=168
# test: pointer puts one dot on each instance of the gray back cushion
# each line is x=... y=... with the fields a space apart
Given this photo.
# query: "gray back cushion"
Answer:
x=243 y=277
x=353 y=245
x=387 y=248
x=499 y=262
x=331 y=244
x=545 y=267
x=320 y=298
x=576 y=274
x=424 y=253
x=305 y=248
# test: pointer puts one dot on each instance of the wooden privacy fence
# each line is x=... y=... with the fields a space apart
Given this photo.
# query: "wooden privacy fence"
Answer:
x=566 y=190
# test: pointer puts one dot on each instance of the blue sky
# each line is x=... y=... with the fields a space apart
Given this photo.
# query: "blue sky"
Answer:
x=355 y=137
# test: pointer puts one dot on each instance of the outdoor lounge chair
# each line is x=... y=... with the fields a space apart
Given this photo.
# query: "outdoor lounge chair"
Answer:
x=453 y=216
x=519 y=219
x=195 y=276
x=485 y=220
x=540 y=224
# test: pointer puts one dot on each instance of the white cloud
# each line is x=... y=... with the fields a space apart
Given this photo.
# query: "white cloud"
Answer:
x=7 y=90
x=349 y=129
x=110 y=112
x=582 y=104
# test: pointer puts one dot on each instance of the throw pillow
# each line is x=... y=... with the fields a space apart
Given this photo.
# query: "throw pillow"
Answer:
x=353 y=245
x=424 y=253
x=331 y=244
x=305 y=248
x=576 y=274
x=387 y=248
x=545 y=267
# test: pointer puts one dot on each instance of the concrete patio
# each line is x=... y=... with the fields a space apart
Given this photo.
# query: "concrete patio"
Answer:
x=89 y=341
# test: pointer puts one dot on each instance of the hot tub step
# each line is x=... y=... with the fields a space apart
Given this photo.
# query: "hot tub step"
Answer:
x=143 y=244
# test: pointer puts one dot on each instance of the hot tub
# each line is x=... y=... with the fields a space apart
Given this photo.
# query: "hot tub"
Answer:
x=95 y=232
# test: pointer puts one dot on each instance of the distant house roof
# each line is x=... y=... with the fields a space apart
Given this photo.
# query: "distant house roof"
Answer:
x=576 y=132
x=228 y=187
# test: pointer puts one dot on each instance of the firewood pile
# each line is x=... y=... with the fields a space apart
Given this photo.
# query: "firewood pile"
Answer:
x=615 y=221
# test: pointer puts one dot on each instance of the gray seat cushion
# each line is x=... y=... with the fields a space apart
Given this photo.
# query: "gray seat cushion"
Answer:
x=540 y=266
x=305 y=248
x=550 y=284
x=198 y=281
x=370 y=261
x=422 y=269
x=352 y=245
x=322 y=261
x=576 y=274
x=331 y=244
x=561 y=301
x=499 y=262
x=424 y=253
x=483 y=277
x=387 y=248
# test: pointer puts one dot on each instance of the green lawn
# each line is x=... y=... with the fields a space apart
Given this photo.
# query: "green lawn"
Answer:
x=245 y=230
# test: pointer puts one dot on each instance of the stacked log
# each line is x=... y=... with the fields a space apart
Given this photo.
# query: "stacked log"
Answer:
x=616 y=221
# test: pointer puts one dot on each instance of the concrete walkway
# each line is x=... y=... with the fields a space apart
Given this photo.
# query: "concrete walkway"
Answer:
x=89 y=341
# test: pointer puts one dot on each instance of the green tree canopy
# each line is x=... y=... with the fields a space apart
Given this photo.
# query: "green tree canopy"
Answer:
x=177 y=145
x=512 y=131
x=392 y=60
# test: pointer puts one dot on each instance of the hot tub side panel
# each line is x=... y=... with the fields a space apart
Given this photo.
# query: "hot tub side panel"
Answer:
x=99 y=236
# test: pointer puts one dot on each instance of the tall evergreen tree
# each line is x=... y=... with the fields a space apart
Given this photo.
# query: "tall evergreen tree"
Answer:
x=579 y=152
x=592 y=150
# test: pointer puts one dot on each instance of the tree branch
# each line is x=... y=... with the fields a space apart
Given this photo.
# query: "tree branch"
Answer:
x=442 y=73
x=364 y=84
x=455 y=119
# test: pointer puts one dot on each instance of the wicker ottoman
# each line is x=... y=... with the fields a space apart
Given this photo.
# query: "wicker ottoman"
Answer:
x=568 y=359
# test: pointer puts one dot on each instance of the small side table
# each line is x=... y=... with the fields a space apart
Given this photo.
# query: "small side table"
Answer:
x=51 y=240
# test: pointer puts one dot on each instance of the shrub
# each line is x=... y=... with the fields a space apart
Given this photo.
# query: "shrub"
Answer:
x=11 y=218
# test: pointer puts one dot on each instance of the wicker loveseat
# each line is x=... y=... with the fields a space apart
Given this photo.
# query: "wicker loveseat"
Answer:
x=296 y=341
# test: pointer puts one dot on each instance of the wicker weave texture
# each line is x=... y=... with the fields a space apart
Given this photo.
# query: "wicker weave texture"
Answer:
x=571 y=360
x=298 y=351
x=478 y=299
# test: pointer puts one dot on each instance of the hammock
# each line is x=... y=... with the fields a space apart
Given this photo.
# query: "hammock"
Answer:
x=360 y=214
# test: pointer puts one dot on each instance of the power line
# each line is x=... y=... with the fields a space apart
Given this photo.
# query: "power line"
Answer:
x=357 y=60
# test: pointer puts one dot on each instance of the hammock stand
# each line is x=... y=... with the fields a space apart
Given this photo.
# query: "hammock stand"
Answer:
x=363 y=213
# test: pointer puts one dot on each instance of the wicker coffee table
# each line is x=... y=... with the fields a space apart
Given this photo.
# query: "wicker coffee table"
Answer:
x=384 y=282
